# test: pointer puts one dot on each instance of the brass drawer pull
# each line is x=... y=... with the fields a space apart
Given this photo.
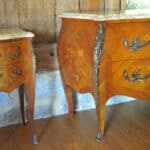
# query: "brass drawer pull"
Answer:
x=135 y=44
x=17 y=72
x=15 y=55
x=135 y=76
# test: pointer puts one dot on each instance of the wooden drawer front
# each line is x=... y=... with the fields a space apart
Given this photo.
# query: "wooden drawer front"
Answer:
x=127 y=40
x=15 y=74
x=13 y=51
x=11 y=76
x=10 y=55
x=132 y=74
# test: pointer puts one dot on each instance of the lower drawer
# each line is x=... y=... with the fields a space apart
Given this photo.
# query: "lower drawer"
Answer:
x=134 y=75
x=11 y=76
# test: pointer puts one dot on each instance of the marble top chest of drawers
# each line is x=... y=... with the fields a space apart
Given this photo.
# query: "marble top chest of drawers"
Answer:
x=17 y=68
x=105 y=55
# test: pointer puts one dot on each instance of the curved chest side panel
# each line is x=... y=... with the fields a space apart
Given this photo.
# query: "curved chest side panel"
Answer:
x=76 y=53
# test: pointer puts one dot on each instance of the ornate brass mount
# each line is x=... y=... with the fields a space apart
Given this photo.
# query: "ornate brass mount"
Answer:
x=135 y=44
x=98 y=46
x=135 y=76
x=17 y=72
x=15 y=55
x=97 y=53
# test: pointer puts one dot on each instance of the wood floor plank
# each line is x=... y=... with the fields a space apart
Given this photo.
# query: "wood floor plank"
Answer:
x=127 y=128
x=7 y=138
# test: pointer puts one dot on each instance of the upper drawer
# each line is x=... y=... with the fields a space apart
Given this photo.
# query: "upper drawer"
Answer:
x=12 y=51
x=127 y=40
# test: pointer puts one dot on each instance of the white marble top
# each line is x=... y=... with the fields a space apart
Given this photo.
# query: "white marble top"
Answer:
x=14 y=33
x=109 y=16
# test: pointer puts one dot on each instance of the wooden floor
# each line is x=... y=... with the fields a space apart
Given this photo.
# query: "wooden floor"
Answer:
x=127 y=128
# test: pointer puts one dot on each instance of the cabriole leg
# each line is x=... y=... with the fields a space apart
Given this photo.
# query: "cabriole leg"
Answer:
x=69 y=96
x=101 y=115
x=100 y=109
x=31 y=94
x=21 y=98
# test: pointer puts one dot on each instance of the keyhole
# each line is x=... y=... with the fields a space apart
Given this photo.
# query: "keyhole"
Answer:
x=52 y=54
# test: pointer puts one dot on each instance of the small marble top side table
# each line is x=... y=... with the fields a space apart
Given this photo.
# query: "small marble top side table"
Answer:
x=17 y=69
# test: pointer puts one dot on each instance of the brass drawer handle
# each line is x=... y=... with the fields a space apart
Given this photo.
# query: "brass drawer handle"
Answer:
x=15 y=55
x=135 y=76
x=17 y=72
x=135 y=44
